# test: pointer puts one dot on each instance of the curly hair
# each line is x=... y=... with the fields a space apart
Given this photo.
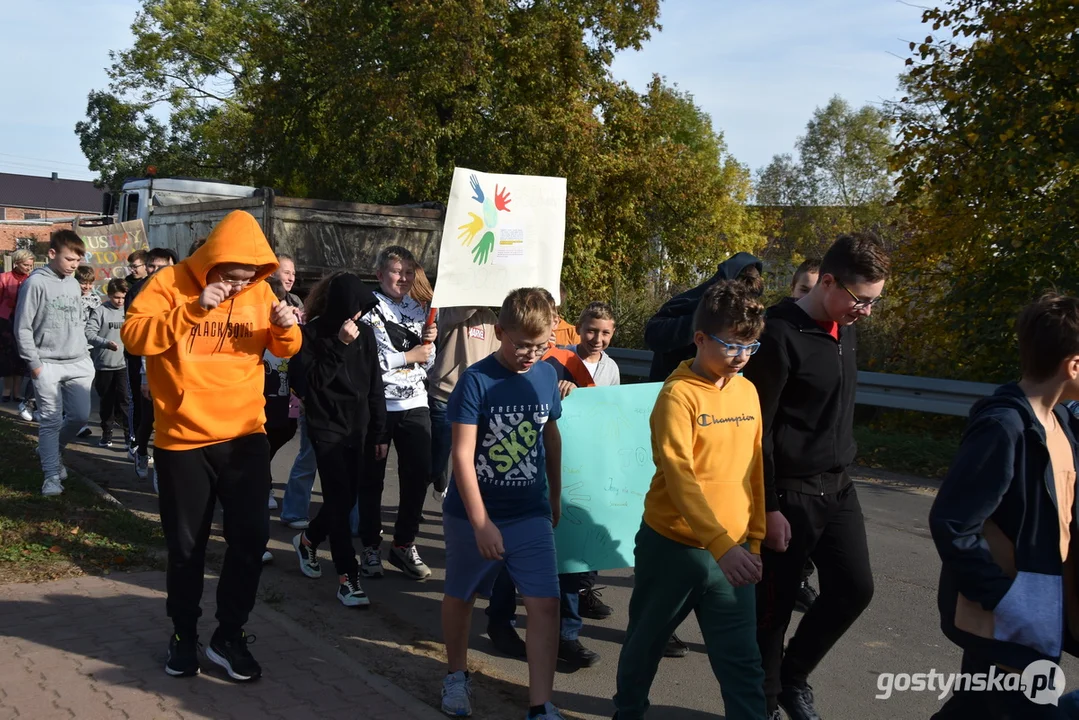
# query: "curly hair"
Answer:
x=730 y=308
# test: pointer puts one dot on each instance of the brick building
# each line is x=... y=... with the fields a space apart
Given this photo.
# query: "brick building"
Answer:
x=32 y=207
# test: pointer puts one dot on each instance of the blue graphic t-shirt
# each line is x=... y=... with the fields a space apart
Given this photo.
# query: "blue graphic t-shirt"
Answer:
x=509 y=411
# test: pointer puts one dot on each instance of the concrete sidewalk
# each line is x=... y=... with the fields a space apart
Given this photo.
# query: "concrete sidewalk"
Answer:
x=94 y=647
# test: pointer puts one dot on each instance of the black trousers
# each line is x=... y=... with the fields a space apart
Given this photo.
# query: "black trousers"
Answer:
x=280 y=435
x=190 y=482
x=134 y=384
x=146 y=423
x=410 y=433
x=830 y=530
x=339 y=467
x=112 y=389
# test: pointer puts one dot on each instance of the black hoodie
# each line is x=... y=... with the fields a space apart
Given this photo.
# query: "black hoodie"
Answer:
x=1002 y=589
x=669 y=334
x=806 y=382
x=341 y=385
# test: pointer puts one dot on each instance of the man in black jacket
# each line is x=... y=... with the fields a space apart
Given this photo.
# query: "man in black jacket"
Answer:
x=1004 y=525
x=669 y=334
x=806 y=375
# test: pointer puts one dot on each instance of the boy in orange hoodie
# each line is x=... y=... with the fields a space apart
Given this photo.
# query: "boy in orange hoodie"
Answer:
x=203 y=326
x=698 y=548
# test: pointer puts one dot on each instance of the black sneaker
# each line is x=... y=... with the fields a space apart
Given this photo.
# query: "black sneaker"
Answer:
x=105 y=442
x=506 y=640
x=232 y=654
x=797 y=702
x=592 y=607
x=574 y=654
x=675 y=648
x=806 y=597
x=183 y=660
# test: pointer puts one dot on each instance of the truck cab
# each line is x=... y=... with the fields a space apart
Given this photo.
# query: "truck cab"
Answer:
x=139 y=196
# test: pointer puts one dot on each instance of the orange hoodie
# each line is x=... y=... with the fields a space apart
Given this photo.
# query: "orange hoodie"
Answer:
x=205 y=367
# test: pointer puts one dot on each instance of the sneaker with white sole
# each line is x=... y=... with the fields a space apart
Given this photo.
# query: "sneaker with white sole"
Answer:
x=85 y=431
x=267 y=557
x=273 y=503
x=371 y=563
x=457 y=694
x=183 y=658
x=24 y=413
x=297 y=524
x=142 y=466
x=63 y=473
x=407 y=560
x=232 y=654
x=308 y=555
x=52 y=486
x=350 y=593
x=104 y=442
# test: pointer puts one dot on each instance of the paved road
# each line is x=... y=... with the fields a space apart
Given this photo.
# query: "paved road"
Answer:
x=399 y=636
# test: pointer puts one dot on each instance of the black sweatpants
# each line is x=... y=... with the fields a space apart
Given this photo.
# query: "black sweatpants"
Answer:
x=134 y=384
x=112 y=389
x=410 y=433
x=190 y=482
x=339 y=467
x=829 y=529
x=280 y=435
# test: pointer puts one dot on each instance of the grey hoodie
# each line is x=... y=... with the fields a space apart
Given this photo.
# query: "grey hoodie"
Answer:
x=102 y=327
x=48 y=320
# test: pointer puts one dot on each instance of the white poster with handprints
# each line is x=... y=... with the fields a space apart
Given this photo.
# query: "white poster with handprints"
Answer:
x=501 y=232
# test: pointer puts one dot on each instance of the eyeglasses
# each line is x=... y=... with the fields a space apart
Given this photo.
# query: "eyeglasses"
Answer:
x=529 y=350
x=859 y=303
x=136 y=267
x=235 y=283
x=734 y=350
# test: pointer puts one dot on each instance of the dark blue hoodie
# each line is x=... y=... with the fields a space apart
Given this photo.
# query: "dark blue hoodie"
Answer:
x=669 y=334
x=1002 y=593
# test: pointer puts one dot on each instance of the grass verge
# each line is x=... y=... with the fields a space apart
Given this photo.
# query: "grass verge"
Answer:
x=77 y=533
x=909 y=453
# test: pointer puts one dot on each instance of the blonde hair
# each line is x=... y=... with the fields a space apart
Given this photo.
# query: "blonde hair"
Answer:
x=394 y=252
x=596 y=311
x=528 y=311
x=21 y=256
x=422 y=292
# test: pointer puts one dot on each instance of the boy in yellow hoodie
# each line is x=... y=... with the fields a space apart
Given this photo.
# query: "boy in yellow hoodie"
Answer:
x=203 y=326
x=699 y=545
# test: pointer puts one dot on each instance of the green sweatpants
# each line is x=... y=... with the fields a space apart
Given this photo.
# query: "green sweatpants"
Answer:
x=670 y=580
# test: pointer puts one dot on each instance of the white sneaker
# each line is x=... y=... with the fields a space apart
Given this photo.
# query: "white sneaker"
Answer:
x=407 y=560
x=63 y=473
x=298 y=524
x=550 y=712
x=457 y=695
x=52 y=486
x=267 y=556
x=24 y=413
x=273 y=503
x=350 y=593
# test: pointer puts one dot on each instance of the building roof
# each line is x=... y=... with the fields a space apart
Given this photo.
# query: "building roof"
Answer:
x=33 y=192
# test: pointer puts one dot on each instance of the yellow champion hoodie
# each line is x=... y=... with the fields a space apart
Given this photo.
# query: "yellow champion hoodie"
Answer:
x=708 y=490
x=205 y=367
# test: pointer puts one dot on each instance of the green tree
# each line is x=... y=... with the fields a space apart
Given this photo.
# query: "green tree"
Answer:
x=840 y=182
x=378 y=102
x=988 y=156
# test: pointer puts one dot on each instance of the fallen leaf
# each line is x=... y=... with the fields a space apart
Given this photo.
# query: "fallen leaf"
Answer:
x=54 y=549
x=75 y=530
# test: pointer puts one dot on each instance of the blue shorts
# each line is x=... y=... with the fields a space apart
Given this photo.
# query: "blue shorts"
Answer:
x=529 y=558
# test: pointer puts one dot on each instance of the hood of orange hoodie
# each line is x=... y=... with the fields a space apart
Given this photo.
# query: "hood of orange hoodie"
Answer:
x=236 y=239
x=205 y=367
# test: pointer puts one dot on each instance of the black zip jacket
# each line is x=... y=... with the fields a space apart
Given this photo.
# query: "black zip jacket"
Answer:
x=669 y=333
x=806 y=382
x=341 y=385
x=1002 y=592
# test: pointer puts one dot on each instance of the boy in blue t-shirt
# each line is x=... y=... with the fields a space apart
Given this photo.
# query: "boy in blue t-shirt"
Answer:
x=504 y=497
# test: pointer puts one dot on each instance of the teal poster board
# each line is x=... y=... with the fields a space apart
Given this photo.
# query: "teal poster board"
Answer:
x=606 y=471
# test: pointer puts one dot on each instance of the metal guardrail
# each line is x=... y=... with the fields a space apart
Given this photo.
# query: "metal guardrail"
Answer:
x=903 y=392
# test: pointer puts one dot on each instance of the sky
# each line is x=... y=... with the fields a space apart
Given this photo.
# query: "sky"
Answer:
x=759 y=68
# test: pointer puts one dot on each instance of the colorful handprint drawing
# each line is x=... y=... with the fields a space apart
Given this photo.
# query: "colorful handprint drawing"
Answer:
x=481 y=253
